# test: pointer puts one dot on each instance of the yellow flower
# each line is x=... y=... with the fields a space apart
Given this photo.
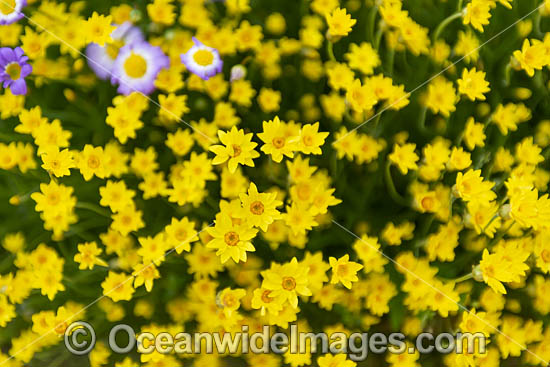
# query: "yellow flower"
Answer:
x=162 y=12
x=116 y=195
x=7 y=311
x=125 y=121
x=90 y=162
x=299 y=219
x=153 y=249
x=474 y=134
x=230 y=300
x=57 y=162
x=180 y=234
x=269 y=100
x=471 y=187
x=127 y=220
x=87 y=256
x=363 y=58
x=173 y=107
x=145 y=274
x=288 y=281
x=504 y=266
x=404 y=157
x=118 y=286
x=54 y=198
x=237 y=148
x=98 y=29
x=231 y=240
x=360 y=97
x=477 y=13
x=263 y=299
x=344 y=271
x=311 y=139
x=473 y=84
x=276 y=143
x=259 y=209
x=441 y=96
x=531 y=57
x=339 y=23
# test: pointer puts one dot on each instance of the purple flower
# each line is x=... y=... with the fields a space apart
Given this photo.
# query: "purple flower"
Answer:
x=10 y=11
x=14 y=69
x=137 y=66
x=102 y=58
x=202 y=60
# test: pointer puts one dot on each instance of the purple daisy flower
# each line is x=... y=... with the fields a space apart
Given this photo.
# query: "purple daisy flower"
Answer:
x=102 y=58
x=14 y=69
x=202 y=60
x=10 y=11
x=137 y=66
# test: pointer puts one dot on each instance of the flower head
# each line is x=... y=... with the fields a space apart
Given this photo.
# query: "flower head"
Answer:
x=339 y=22
x=10 y=11
x=137 y=66
x=231 y=239
x=101 y=59
x=13 y=69
x=237 y=148
x=202 y=60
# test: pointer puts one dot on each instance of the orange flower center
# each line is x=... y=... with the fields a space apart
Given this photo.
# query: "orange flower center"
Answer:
x=257 y=208
x=289 y=283
x=236 y=150
x=278 y=142
x=231 y=238
x=266 y=298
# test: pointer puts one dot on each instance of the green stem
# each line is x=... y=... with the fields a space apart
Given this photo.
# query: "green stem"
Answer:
x=391 y=187
x=371 y=23
x=330 y=51
x=391 y=57
x=445 y=23
x=464 y=278
x=536 y=23
x=94 y=208
x=422 y=119
x=507 y=74
x=459 y=6
x=377 y=38
x=489 y=223
x=500 y=235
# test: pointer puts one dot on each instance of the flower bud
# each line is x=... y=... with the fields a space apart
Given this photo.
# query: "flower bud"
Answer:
x=477 y=273
x=504 y=211
x=238 y=72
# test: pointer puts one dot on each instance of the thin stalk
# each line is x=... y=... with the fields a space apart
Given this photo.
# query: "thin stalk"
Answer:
x=330 y=51
x=464 y=278
x=94 y=208
x=391 y=187
x=445 y=23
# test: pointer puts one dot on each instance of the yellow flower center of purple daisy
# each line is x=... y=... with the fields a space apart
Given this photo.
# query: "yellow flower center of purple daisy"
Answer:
x=135 y=66
x=13 y=70
x=7 y=6
x=113 y=48
x=203 y=57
